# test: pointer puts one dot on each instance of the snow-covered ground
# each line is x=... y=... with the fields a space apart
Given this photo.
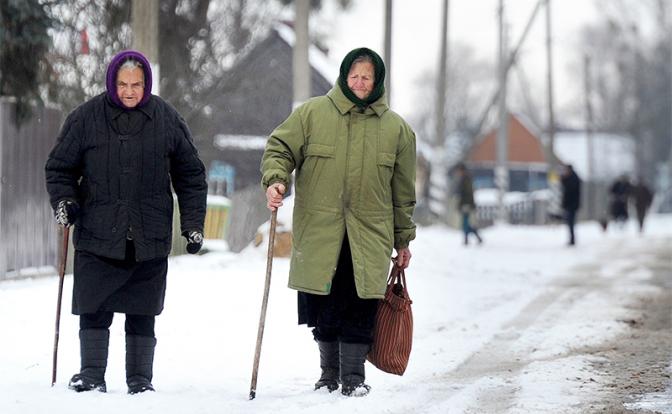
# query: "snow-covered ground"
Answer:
x=472 y=310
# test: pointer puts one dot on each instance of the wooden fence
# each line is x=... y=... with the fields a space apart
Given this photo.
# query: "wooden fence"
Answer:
x=28 y=233
x=29 y=236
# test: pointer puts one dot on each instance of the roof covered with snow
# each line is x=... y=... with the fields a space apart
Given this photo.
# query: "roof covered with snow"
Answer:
x=613 y=155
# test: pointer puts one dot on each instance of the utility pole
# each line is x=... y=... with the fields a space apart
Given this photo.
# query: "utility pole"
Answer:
x=145 y=27
x=552 y=175
x=388 y=50
x=440 y=186
x=442 y=80
x=502 y=170
x=591 y=179
x=550 y=157
x=301 y=65
x=669 y=164
x=636 y=122
x=494 y=98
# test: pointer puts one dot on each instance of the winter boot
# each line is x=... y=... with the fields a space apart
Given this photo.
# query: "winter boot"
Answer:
x=330 y=365
x=353 y=357
x=93 y=346
x=139 y=363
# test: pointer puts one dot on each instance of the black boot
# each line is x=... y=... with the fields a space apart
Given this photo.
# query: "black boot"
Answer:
x=353 y=357
x=329 y=362
x=93 y=345
x=139 y=363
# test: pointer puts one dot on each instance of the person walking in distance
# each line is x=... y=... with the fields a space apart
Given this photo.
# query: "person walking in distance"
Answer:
x=465 y=201
x=571 y=198
x=110 y=175
x=642 y=197
x=354 y=161
x=620 y=192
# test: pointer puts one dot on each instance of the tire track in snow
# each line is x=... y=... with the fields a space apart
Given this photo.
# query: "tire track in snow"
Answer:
x=490 y=373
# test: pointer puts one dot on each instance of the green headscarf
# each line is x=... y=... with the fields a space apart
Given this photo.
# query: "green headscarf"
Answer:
x=379 y=73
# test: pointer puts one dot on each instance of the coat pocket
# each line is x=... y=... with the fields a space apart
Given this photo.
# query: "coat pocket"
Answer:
x=317 y=170
x=385 y=161
x=157 y=216
x=320 y=150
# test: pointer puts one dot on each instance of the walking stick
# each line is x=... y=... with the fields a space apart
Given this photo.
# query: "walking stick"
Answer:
x=264 y=303
x=61 y=276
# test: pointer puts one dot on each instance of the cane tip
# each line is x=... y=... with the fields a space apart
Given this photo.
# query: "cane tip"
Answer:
x=253 y=394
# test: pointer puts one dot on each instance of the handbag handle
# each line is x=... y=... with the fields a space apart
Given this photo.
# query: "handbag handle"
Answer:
x=397 y=275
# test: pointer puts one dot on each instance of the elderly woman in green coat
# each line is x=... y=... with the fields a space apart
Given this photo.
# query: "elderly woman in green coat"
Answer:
x=354 y=161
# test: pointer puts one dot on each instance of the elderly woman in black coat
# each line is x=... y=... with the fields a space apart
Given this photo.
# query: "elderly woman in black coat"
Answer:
x=110 y=174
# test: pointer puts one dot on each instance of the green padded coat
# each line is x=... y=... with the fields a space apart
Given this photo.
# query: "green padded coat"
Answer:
x=355 y=171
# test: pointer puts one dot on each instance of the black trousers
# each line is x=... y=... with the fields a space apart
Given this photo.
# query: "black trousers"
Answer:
x=570 y=217
x=341 y=315
x=142 y=325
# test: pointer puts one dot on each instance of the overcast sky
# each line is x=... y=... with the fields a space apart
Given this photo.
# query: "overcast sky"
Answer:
x=416 y=38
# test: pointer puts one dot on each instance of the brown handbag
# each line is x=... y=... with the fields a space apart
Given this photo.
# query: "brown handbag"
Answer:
x=393 y=333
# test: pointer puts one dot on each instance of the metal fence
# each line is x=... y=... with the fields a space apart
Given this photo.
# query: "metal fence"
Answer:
x=537 y=211
x=528 y=211
x=28 y=233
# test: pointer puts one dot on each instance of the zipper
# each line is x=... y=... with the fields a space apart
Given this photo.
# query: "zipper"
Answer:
x=346 y=196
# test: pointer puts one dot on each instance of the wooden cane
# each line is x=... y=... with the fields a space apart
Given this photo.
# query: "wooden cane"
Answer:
x=61 y=276
x=264 y=303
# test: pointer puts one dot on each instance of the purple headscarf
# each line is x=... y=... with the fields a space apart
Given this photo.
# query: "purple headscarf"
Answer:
x=113 y=68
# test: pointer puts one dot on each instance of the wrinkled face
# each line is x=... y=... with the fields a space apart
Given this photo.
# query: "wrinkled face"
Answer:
x=130 y=86
x=361 y=79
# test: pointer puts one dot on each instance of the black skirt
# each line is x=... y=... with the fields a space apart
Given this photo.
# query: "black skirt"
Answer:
x=341 y=314
x=123 y=286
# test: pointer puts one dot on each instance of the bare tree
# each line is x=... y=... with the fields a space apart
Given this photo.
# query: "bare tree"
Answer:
x=85 y=39
x=199 y=42
x=469 y=83
x=632 y=83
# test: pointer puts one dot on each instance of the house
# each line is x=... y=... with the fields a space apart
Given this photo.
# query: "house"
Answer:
x=613 y=154
x=527 y=161
x=256 y=97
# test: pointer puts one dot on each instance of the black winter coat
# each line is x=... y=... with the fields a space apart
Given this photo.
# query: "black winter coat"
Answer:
x=571 y=192
x=465 y=193
x=122 y=182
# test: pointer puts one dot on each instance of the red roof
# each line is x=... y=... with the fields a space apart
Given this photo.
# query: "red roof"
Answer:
x=523 y=145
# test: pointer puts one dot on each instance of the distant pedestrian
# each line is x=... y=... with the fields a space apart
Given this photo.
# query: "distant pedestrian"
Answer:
x=642 y=197
x=619 y=193
x=571 y=198
x=464 y=190
x=110 y=175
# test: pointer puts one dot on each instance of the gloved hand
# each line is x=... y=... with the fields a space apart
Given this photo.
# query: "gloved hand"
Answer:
x=66 y=212
x=194 y=241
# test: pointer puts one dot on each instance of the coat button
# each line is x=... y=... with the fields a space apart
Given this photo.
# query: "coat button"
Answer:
x=114 y=229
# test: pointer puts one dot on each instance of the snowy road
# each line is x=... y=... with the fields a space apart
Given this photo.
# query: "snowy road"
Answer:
x=521 y=324
x=545 y=360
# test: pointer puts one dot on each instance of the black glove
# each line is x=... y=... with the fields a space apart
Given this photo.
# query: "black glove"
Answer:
x=194 y=241
x=66 y=212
